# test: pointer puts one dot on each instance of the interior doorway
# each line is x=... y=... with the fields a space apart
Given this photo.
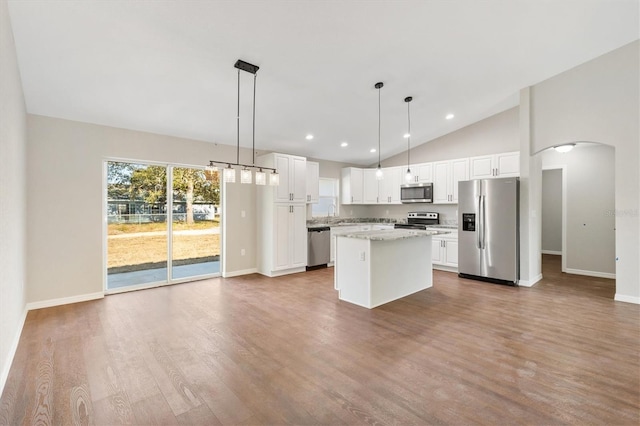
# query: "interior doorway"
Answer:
x=154 y=239
x=553 y=212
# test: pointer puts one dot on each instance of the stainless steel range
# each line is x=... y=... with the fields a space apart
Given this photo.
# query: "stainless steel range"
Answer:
x=419 y=220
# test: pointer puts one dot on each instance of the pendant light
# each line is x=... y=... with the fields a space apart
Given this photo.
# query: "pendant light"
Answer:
x=408 y=176
x=379 y=174
x=229 y=172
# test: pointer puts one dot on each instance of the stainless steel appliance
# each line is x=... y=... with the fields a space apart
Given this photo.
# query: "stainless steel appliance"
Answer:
x=488 y=230
x=318 y=246
x=416 y=193
x=419 y=220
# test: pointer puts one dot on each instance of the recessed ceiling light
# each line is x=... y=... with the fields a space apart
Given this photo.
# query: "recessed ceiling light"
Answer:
x=372 y=150
x=344 y=144
x=449 y=116
x=406 y=135
x=309 y=137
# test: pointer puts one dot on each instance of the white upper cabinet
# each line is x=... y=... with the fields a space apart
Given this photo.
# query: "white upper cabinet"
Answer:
x=313 y=182
x=385 y=190
x=446 y=175
x=492 y=166
x=293 y=178
x=351 y=186
x=421 y=173
x=389 y=186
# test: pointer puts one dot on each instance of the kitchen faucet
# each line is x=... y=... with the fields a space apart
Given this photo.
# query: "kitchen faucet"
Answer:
x=329 y=211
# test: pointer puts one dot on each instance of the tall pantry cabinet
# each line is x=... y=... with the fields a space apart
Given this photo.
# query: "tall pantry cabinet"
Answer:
x=282 y=217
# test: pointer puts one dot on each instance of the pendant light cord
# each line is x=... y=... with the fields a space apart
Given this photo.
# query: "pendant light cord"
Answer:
x=409 y=138
x=379 y=126
x=238 y=123
x=254 y=120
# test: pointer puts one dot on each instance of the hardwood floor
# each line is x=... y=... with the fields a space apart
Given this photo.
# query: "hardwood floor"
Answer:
x=256 y=350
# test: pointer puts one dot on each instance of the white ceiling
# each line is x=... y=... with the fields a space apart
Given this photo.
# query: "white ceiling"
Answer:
x=167 y=66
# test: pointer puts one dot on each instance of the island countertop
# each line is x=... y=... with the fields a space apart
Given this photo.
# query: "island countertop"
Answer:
x=391 y=234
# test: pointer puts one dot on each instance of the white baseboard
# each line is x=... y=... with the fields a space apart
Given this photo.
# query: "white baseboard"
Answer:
x=12 y=352
x=238 y=273
x=628 y=299
x=591 y=273
x=64 y=301
x=445 y=268
x=554 y=252
x=274 y=274
x=531 y=282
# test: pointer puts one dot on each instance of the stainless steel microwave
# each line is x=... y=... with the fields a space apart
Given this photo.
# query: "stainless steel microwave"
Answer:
x=416 y=193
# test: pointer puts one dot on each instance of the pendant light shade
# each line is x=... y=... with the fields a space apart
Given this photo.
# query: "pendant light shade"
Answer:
x=229 y=174
x=408 y=176
x=245 y=176
x=274 y=179
x=379 y=174
x=261 y=178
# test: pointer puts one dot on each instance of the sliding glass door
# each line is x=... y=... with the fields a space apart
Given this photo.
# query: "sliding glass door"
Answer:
x=195 y=228
x=152 y=239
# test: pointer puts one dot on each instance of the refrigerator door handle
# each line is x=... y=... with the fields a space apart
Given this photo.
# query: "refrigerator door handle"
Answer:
x=483 y=223
x=479 y=223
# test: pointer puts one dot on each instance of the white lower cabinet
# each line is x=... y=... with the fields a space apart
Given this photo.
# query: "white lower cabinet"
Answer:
x=340 y=230
x=290 y=243
x=444 y=250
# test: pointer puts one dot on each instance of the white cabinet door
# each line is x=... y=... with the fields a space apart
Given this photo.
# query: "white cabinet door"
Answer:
x=450 y=253
x=491 y=166
x=389 y=187
x=508 y=164
x=459 y=171
x=293 y=178
x=283 y=191
x=441 y=182
x=351 y=185
x=298 y=178
x=313 y=182
x=281 y=237
x=298 y=236
x=481 y=167
x=370 y=187
x=436 y=250
x=424 y=172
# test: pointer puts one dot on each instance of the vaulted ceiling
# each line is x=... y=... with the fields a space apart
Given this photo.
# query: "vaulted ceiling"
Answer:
x=167 y=66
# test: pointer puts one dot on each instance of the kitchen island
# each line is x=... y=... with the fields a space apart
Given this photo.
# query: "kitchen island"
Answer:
x=376 y=267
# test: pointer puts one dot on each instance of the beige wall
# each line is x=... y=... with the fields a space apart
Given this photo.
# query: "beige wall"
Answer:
x=13 y=142
x=64 y=202
x=599 y=102
x=493 y=135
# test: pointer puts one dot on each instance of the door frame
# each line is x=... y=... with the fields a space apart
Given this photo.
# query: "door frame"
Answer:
x=169 y=189
x=563 y=252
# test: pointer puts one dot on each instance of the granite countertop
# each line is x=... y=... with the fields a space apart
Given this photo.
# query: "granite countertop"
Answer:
x=391 y=234
x=334 y=225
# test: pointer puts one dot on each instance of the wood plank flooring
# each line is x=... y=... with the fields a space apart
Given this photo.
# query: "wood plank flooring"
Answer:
x=255 y=350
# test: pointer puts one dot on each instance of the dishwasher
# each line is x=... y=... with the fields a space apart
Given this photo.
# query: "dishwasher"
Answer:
x=318 y=247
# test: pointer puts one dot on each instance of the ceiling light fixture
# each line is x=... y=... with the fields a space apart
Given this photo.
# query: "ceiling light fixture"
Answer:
x=344 y=144
x=408 y=177
x=309 y=137
x=449 y=116
x=379 y=174
x=229 y=172
x=564 y=147
x=372 y=150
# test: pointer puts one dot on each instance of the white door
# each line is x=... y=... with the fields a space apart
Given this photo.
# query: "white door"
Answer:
x=508 y=164
x=298 y=231
x=451 y=253
x=283 y=191
x=392 y=181
x=459 y=171
x=440 y=182
x=298 y=178
x=436 y=250
x=281 y=237
x=313 y=181
x=481 y=167
x=370 y=187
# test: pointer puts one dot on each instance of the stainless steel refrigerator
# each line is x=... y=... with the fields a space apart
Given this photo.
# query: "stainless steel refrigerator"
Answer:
x=488 y=230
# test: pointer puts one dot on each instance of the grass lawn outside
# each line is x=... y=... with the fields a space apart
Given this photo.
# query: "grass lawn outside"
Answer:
x=152 y=249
